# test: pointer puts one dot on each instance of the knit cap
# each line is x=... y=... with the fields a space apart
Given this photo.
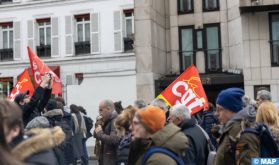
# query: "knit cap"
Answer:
x=231 y=99
x=153 y=117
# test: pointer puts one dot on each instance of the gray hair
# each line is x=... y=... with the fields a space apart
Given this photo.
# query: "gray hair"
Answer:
x=109 y=103
x=264 y=95
x=160 y=103
x=180 y=110
x=140 y=104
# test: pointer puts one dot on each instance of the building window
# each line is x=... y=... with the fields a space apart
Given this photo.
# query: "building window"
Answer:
x=210 y=5
x=6 y=86
x=6 y=51
x=187 y=53
x=213 y=48
x=129 y=30
x=185 y=6
x=260 y=87
x=199 y=37
x=274 y=35
x=82 y=46
x=44 y=29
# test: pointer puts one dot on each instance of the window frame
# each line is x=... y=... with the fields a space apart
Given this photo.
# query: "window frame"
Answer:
x=205 y=26
x=83 y=22
x=9 y=29
x=271 y=39
x=44 y=26
x=180 y=28
x=185 y=12
x=210 y=10
x=132 y=18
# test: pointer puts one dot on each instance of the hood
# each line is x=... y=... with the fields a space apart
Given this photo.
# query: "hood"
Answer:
x=52 y=113
x=40 y=139
x=171 y=138
x=188 y=123
x=38 y=122
x=275 y=133
x=248 y=113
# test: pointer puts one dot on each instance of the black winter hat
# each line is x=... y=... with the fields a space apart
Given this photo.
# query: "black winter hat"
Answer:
x=21 y=96
x=51 y=105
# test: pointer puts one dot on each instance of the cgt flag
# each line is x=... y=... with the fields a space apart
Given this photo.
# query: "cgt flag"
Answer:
x=24 y=84
x=187 y=89
x=39 y=68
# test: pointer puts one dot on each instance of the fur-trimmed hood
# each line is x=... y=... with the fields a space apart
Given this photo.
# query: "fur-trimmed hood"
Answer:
x=39 y=139
x=53 y=113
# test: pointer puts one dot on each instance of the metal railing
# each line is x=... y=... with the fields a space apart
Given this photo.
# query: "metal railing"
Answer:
x=44 y=51
x=82 y=47
x=6 y=54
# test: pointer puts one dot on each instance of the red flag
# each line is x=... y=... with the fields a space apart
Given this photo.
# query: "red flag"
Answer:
x=187 y=89
x=23 y=84
x=39 y=68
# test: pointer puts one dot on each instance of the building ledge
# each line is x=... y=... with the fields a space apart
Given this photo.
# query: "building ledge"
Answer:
x=259 y=8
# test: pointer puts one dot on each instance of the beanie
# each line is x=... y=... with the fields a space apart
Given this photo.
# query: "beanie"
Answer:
x=231 y=99
x=21 y=96
x=153 y=117
x=51 y=105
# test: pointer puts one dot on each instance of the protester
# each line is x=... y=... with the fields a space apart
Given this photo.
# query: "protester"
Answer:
x=122 y=124
x=149 y=126
x=197 y=151
x=79 y=131
x=208 y=120
x=118 y=106
x=88 y=124
x=107 y=133
x=97 y=148
x=32 y=108
x=34 y=146
x=161 y=104
x=228 y=103
x=9 y=115
x=139 y=104
x=262 y=95
x=250 y=144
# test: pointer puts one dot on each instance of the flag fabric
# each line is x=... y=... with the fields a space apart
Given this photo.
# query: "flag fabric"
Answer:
x=39 y=68
x=187 y=89
x=23 y=84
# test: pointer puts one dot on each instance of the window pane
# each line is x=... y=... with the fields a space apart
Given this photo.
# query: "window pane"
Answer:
x=187 y=47
x=275 y=27
x=275 y=52
x=210 y=4
x=5 y=39
x=199 y=40
x=11 y=39
x=129 y=28
x=185 y=5
x=48 y=36
x=87 y=32
x=42 y=36
x=80 y=32
x=212 y=39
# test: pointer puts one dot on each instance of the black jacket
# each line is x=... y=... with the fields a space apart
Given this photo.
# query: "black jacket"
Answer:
x=36 y=105
x=123 y=150
x=196 y=153
x=207 y=123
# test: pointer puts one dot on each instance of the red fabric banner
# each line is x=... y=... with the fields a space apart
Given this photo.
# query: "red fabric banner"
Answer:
x=39 y=68
x=187 y=89
x=23 y=84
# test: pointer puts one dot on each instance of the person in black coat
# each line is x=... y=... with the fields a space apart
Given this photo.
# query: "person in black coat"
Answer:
x=197 y=151
x=122 y=123
x=32 y=107
x=208 y=121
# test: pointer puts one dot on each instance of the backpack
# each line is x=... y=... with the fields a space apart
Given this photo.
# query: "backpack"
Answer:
x=89 y=125
x=155 y=149
x=269 y=147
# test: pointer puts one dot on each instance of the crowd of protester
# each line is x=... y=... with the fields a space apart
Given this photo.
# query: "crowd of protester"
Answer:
x=43 y=130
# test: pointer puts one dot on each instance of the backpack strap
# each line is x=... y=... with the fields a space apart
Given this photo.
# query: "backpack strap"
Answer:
x=155 y=149
x=210 y=146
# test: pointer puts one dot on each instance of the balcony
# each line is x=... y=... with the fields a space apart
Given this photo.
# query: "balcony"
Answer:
x=128 y=44
x=247 y=6
x=82 y=47
x=5 y=1
x=6 y=54
x=44 y=51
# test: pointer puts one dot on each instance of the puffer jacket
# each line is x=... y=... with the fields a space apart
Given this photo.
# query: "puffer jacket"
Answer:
x=123 y=150
x=38 y=147
x=169 y=137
